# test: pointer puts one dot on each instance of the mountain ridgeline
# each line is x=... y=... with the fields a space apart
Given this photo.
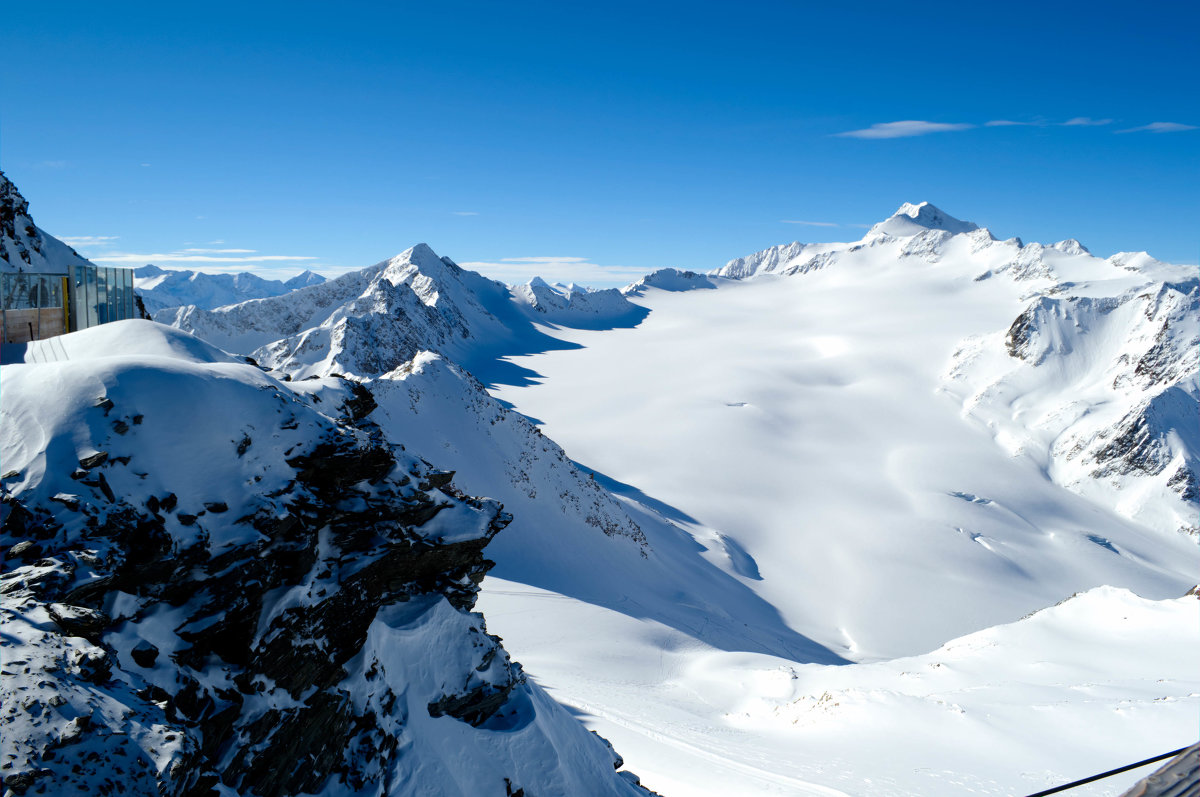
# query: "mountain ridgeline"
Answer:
x=243 y=545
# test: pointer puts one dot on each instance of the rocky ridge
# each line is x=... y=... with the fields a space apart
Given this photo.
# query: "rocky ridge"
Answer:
x=23 y=245
x=269 y=600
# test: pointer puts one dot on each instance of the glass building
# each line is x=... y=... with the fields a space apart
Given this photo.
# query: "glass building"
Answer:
x=37 y=306
x=100 y=295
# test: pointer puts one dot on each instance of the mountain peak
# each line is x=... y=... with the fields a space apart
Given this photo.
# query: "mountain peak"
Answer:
x=304 y=279
x=912 y=219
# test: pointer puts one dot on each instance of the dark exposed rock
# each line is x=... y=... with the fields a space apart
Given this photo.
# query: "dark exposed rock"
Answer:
x=104 y=403
x=25 y=551
x=360 y=404
x=20 y=782
x=1184 y=482
x=79 y=621
x=69 y=501
x=1020 y=334
x=94 y=460
x=437 y=479
x=1140 y=442
x=144 y=654
x=473 y=707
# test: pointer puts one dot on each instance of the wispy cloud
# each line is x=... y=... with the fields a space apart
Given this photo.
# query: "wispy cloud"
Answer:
x=194 y=256
x=904 y=129
x=88 y=240
x=516 y=270
x=1160 y=127
x=1085 y=121
x=809 y=223
x=1011 y=123
x=219 y=251
x=52 y=164
x=464 y=213
x=552 y=260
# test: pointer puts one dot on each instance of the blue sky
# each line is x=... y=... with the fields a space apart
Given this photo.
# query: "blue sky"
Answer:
x=592 y=142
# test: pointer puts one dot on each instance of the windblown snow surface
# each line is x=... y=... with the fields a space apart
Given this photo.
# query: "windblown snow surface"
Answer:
x=904 y=446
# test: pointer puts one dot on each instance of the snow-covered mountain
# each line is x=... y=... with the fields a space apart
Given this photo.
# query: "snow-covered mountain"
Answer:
x=210 y=585
x=1096 y=376
x=372 y=321
x=575 y=306
x=162 y=289
x=23 y=245
x=902 y=515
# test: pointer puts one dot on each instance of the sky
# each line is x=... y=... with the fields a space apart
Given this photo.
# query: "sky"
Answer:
x=592 y=142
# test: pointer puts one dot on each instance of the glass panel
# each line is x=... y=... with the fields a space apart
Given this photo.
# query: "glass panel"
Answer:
x=129 y=309
x=90 y=302
x=16 y=295
x=110 y=279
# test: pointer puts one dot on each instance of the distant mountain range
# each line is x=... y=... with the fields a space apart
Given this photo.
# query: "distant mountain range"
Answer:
x=165 y=288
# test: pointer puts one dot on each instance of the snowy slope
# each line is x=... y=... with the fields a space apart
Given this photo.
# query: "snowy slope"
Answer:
x=1105 y=679
x=851 y=423
x=23 y=245
x=263 y=597
x=167 y=288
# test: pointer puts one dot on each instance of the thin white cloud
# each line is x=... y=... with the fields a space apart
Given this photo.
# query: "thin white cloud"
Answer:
x=555 y=260
x=809 y=223
x=580 y=270
x=1084 y=121
x=1160 y=127
x=190 y=257
x=88 y=240
x=220 y=251
x=464 y=213
x=904 y=129
x=1011 y=123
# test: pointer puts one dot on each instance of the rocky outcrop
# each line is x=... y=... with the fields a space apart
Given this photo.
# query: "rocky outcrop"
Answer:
x=23 y=245
x=286 y=611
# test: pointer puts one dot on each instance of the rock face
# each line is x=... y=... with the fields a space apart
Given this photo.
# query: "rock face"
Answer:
x=23 y=245
x=280 y=609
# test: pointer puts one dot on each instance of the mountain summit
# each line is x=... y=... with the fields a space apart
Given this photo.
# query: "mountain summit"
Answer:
x=913 y=219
